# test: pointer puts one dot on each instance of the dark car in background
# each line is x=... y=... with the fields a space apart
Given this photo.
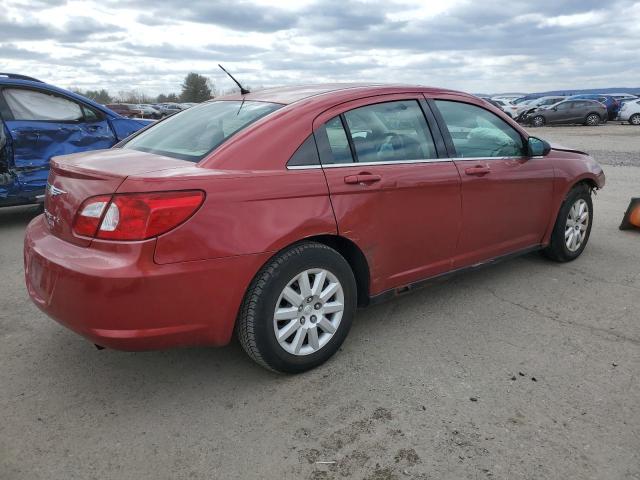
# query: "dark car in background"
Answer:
x=126 y=109
x=612 y=104
x=39 y=121
x=571 y=111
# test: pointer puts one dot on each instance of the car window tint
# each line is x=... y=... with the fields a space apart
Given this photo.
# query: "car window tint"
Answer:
x=476 y=132
x=390 y=132
x=566 y=105
x=31 y=105
x=338 y=141
x=306 y=154
x=193 y=133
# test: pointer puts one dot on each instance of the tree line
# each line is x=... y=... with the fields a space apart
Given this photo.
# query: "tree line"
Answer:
x=195 y=88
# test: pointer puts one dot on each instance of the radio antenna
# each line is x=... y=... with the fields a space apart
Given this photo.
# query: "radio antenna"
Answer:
x=243 y=91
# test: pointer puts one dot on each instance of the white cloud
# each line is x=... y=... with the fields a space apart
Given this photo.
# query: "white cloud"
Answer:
x=486 y=46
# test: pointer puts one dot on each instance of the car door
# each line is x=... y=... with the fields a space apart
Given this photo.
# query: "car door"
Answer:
x=42 y=125
x=506 y=196
x=393 y=192
x=563 y=112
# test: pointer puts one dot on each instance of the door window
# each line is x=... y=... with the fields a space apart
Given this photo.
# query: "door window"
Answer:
x=476 y=132
x=566 y=105
x=32 y=105
x=338 y=141
x=390 y=132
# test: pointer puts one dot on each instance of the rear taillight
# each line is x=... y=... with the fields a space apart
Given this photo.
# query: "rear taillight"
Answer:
x=135 y=216
x=89 y=215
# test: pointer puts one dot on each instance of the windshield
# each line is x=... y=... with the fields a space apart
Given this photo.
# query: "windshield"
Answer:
x=193 y=133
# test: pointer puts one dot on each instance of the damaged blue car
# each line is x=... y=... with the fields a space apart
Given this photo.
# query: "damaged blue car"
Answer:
x=39 y=121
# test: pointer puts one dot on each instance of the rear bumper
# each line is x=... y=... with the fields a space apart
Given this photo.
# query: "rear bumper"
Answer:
x=116 y=296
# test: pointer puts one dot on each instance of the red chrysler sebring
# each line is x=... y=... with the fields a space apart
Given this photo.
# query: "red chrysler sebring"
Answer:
x=276 y=214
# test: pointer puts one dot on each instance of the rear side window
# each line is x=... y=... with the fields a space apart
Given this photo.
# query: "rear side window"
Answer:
x=390 y=132
x=32 y=105
x=306 y=154
x=476 y=132
x=193 y=133
x=338 y=142
x=383 y=132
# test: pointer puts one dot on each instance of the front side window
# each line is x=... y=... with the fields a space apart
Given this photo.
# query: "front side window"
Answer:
x=565 y=105
x=193 y=133
x=476 y=132
x=33 y=105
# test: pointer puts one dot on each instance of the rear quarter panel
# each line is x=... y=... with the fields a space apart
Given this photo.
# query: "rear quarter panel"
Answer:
x=244 y=212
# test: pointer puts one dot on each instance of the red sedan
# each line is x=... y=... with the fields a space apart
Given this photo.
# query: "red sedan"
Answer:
x=276 y=214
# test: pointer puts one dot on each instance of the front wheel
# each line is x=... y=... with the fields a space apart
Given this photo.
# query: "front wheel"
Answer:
x=538 y=121
x=573 y=226
x=592 y=120
x=634 y=119
x=298 y=309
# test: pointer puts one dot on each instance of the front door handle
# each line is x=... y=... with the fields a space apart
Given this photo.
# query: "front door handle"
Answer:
x=362 y=179
x=477 y=170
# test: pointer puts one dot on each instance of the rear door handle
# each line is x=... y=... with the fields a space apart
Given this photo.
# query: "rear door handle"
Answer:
x=362 y=179
x=477 y=170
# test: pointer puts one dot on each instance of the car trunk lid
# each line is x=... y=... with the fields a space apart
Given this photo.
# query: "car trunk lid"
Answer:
x=74 y=178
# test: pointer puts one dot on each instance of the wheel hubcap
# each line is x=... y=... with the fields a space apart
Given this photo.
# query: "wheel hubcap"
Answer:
x=576 y=227
x=308 y=311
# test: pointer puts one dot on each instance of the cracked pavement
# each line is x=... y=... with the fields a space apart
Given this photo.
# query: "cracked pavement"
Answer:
x=549 y=352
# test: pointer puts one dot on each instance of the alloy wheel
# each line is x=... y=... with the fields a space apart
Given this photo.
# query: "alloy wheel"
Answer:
x=593 y=120
x=576 y=227
x=308 y=311
x=538 y=121
x=635 y=119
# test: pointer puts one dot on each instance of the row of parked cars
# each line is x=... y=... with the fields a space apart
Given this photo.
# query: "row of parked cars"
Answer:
x=146 y=110
x=585 y=109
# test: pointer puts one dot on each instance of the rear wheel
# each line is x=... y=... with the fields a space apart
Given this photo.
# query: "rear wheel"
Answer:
x=573 y=226
x=592 y=120
x=538 y=121
x=634 y=119
x=298 y=309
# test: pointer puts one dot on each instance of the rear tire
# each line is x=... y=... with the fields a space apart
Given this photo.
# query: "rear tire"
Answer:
x=298 y=335
x=634 y=119
x=592 y=120
x=572 y=228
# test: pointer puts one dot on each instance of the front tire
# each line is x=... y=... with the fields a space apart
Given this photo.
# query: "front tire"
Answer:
x=634 y=119
x=573 y=226
x=298 y=309
x=538 y=121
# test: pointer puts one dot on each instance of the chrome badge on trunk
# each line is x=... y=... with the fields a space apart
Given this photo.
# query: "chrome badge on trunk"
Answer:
x=52 y=191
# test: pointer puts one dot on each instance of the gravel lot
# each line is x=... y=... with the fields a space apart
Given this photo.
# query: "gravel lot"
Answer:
x=610 y=144
x=525 y=370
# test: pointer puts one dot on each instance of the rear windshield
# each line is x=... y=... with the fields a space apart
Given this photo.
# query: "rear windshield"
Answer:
x=193 y=133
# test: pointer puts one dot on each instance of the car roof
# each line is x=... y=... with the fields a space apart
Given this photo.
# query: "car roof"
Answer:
x=291 y=94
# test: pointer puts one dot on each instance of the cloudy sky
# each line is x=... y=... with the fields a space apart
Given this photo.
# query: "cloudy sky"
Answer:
x=473 y=45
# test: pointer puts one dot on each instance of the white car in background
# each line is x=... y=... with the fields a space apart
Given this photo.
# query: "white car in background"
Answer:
x=623 y=97
x=506 y=106
x=630 y=112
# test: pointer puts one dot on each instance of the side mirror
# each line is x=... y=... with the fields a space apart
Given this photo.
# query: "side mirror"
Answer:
x=537 y=147
x=555 y=109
